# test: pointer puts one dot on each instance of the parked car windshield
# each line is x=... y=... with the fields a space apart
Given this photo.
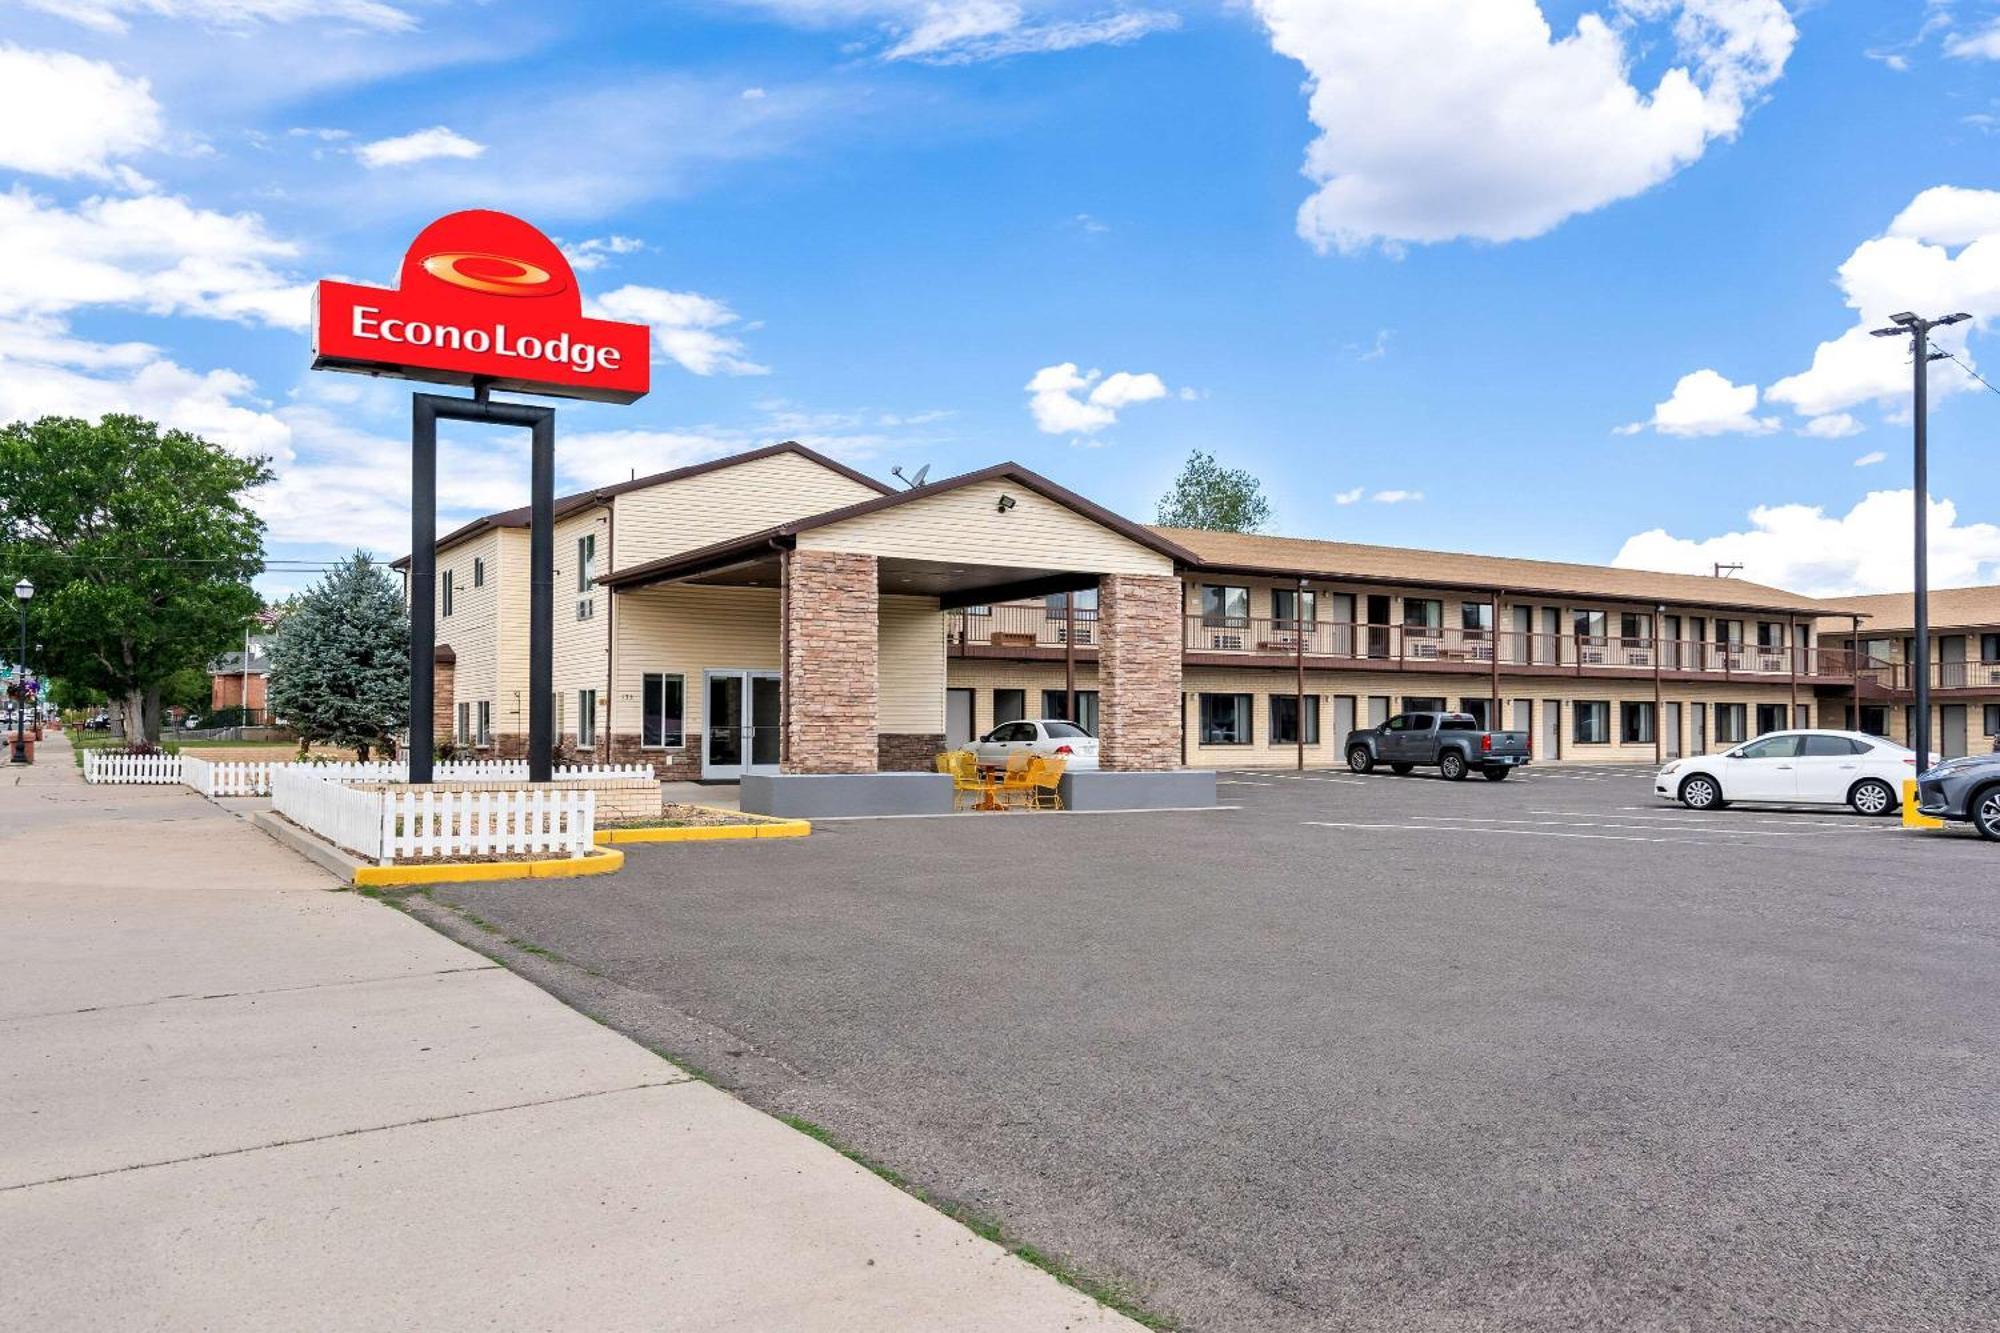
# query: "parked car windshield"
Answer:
x=1062 y=730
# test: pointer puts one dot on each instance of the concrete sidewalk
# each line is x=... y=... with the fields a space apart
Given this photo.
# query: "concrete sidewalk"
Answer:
x=234 y=1099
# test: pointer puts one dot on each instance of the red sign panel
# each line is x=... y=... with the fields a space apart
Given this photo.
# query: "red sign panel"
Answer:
x=483 y=298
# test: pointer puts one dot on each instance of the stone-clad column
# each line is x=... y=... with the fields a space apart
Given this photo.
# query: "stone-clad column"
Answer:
x=831 y=656
x=1139 y=671
x=444 y=676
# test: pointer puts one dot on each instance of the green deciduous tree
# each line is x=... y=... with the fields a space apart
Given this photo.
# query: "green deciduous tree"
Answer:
x=141 y=547
x=1218 y=498
x=340 y=661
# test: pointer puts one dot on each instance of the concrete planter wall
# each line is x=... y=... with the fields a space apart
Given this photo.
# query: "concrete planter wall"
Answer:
x=833 y=795
x=1173 y=789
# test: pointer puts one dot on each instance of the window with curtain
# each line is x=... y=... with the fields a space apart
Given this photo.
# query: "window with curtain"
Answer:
x=1225 y=605
x=1285 y=719
x=1225 y=719
x=1592 y=721
x=662 y=706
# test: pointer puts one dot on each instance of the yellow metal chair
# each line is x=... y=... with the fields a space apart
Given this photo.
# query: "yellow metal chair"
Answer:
x=1017 y=782
x=965 y=780
x=1045 y=783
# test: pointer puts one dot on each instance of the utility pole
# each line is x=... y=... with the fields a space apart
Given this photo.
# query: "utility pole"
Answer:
x=1919 y=331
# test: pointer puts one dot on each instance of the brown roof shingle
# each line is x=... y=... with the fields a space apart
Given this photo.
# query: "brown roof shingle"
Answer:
x=1951 y=608
x=1251 y=552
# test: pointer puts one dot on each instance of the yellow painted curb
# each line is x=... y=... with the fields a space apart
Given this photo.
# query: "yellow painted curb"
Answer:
x=593 y=863
x=775 y=828
x=1911 y=819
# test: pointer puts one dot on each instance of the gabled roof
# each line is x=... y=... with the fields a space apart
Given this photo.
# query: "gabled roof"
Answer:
x=1256 y=553
x=570 y=504
x=1950 y=608
x=737 y=549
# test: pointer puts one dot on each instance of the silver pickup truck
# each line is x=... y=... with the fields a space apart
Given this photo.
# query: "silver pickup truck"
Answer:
x=1454 y=742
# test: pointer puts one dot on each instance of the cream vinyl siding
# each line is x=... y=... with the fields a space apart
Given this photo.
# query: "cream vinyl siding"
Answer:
x=472 y=630
x=684 y=630
x=699 y=511
x=910 y=666
x=579 y=644
x=965 y=527
x=509 y=574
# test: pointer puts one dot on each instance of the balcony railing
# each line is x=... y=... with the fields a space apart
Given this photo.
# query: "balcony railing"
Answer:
x=1033 y=630
x=1899 y=677
x=1020 y=627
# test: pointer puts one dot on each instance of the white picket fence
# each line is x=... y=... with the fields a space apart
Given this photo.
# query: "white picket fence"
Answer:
x=152 y=768
x=345 y=816
x=447 y=825
x=390 y=825
x=253 y=778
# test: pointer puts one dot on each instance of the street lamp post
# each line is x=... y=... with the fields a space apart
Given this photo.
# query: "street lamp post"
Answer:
x=23 y=591
x=1918 y=330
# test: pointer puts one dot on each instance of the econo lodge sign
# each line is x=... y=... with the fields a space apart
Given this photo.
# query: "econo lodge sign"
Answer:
x=483 y=298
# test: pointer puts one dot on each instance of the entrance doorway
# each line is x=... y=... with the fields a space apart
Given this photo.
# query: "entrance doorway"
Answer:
x=743 y=722
x=1670 y=724
x=957 y=719
x=1552 y=729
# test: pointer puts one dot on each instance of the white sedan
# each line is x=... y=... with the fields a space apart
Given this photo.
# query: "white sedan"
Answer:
x=1795 y=768
x=1050 y=737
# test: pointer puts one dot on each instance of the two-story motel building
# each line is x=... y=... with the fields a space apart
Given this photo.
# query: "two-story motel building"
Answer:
x=1964 y=668
x=779 y=611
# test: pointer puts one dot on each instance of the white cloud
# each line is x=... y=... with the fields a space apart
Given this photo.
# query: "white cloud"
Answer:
x=44 y=371
x=1060 y=405
x=957 y=32
x=1939 y=255
x=1442 y=119
x=62 y=115
x=1912 y=266
x=113 y=15
x=1802 y=548
x=1833 y=426
x=1871 y=458
x=1706 y=403
x=598 y=251
x=419 y=146
x=1396 y=497
x=148 y=252
x=688 y=327
x=1983 y=44
x=1349 y=497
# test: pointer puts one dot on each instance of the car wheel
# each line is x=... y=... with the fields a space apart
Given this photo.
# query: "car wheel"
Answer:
x=1452 y=765
x=1359 y=760
x=1496 y=774
x=1401 y=769
x=1986 y=813
x=1872 y=798
x=1699 y=792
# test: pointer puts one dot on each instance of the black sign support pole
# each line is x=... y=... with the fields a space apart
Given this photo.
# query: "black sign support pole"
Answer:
x=541 y=423
x=423 y=581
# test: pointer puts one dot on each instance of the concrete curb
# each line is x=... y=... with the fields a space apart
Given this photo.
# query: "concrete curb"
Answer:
x=328 y=857
x=765 y=827
x=351 y=869
x=603 y=861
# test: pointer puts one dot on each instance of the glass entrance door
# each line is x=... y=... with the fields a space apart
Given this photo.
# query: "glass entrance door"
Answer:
x=744 y=714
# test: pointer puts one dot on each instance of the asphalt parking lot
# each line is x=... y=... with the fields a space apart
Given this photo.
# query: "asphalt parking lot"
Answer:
x=1367 y=1053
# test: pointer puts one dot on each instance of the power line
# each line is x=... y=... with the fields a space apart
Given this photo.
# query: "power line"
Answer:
x=1967 y=369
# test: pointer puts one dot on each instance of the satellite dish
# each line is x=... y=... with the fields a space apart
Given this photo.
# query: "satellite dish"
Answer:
x=911 y=482
x=922 y=472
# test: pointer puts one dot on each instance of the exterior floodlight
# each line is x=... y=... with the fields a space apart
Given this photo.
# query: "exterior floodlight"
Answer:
x=1959 y=318
x=1896 y=331
x=1905 y=318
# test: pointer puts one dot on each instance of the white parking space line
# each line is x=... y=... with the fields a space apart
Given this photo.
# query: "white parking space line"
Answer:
x=1241 y=782
x=1626 y=823
x=1522 y=832
x=1859 y=823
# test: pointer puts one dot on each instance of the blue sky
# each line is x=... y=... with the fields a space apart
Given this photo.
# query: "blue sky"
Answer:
x=1528 y=279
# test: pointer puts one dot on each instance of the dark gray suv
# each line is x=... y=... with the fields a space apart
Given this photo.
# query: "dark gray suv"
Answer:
x=1965 y=789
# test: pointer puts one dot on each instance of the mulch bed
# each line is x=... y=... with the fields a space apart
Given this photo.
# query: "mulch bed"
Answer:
x=675 y=815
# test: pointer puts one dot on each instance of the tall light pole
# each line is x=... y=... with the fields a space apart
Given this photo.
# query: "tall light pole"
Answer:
x=23 y=591
x=1918 y=330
